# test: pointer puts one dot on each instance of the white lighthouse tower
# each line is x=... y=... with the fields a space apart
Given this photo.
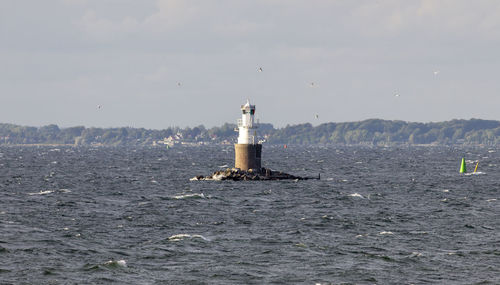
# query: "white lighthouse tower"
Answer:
x=247 y=151
x=246 y=125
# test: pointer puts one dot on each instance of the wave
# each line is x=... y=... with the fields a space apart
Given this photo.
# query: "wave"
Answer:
x=415 y=254
x=115 y=263
x=45 y=192
x=179 y=237
x=474 y=173
x=42 y=192
x=190 y=196
x=386 y=233
x=418 y=232
x=356 y=195
x=111 y=264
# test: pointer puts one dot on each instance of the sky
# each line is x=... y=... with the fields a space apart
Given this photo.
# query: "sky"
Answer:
x=163 y=63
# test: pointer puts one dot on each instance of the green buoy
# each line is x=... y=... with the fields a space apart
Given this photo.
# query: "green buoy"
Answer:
x=463 y=169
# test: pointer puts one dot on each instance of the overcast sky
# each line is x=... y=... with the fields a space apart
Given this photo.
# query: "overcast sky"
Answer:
x=162 y=63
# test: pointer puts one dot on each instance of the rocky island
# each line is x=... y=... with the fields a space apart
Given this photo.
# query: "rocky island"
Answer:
x=236 y=174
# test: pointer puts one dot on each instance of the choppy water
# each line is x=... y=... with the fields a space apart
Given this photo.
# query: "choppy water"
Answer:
x=131 y=216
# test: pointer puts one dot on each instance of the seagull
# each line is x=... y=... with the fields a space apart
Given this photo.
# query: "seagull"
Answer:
x=311 y=84
x=317 y=116
x=436 y=72
x=396 y=95
x=178 y=84
x=260 y=69
x=99 y=107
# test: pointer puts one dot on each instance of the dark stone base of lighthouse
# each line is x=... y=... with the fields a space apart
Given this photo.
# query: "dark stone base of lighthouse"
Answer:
x=236 y=174
x=247 y=156
x=247 y=166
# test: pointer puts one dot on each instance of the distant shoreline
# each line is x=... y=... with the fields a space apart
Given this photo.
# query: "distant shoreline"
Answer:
x=38 y=144
x=372 y=132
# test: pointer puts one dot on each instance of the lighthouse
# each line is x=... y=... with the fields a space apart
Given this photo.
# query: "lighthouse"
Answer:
x=247 y=152
x=247 y=155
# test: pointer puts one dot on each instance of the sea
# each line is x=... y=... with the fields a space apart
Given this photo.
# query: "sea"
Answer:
x=378 y=215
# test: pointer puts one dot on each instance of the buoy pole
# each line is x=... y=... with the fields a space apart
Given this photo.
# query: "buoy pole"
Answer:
x=463 y=169
x=475 y=169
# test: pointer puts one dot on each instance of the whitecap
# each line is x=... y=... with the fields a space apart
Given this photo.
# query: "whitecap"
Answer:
x=117 y=263
x=386 y=233
x=201 y=237
x=223 y=166
x=419 y=232
x=356 y=195
x=491 y=200
x=41 y=192
x=187 y=196
x=179 y=237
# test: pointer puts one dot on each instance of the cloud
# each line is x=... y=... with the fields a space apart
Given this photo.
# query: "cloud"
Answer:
x=74 y=2
x=168 y=15
x=434 y=18
x=355 y=49
x=161 y=74
x=103 y=29
x=171 y=14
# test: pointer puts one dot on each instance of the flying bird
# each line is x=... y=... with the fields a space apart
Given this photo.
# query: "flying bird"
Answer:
x=436 y=72
x=99 y=107
x=317 y=116
x=179 y=84
x=396 y=95
x=312 y=84
x=260 y=69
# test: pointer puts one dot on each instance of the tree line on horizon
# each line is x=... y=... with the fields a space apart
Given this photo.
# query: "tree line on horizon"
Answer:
x=367 y=132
